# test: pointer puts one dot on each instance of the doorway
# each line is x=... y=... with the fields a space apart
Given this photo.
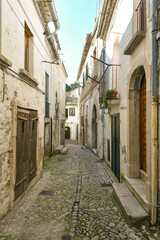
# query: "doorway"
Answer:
x=143 y=163
x=115 y=135
x=26 y=149
x=67 y=132
x=94 y=128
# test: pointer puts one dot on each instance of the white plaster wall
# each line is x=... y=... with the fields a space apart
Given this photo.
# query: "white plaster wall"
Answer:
x=72 y=121
x=141 y=56
x=29 y=98
x=13 y=36
x=20 y=94
x=72 y=93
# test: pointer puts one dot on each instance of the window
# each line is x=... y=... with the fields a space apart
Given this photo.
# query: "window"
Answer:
x=141 y=15
x=66 y=113
x=83 y=79
x=28 y=56
x=72 y=112
x=46 y=95
x=87 y=72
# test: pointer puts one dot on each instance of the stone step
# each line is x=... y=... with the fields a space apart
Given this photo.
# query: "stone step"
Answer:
x=64 y=150
x=131 y=208
x=138 y=187
x=58 y=149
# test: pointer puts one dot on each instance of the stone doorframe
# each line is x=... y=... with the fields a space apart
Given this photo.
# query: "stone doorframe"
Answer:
x=133 y=122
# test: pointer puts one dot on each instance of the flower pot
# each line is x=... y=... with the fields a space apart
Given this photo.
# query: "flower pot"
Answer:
x=114 y=94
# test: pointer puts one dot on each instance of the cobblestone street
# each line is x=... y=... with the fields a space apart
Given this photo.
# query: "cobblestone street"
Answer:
x=82 y=206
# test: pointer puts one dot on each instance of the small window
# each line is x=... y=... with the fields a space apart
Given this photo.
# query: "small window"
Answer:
x=87 y=72
x=83 y=79
x=28 y=55
x=28 y=50
x=72 y=112
x=66 y=113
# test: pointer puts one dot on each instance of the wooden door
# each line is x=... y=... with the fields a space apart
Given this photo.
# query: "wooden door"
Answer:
x=33 y=145
x=67 y=133
x=115 y=134
x=143 y=163
x=26 y=145
x=22 y=153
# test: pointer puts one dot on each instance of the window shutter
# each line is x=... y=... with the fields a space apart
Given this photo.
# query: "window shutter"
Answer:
x=66 y=113
x=87 y=72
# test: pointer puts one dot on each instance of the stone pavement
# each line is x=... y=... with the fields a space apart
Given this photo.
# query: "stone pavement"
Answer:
x=82 y=206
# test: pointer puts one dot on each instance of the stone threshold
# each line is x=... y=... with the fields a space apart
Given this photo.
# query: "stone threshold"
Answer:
x=138 y=187
x=130 y=206
x=94 y=150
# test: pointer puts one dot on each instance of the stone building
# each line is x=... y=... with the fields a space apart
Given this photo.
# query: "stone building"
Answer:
x=72 y=115
x=27 y=49
x=90 y=113
x=127 y=126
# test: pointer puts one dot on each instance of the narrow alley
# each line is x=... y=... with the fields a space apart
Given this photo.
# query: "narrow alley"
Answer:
x=73 y=200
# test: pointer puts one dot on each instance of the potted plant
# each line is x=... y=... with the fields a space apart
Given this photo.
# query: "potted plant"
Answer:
x=109 y=94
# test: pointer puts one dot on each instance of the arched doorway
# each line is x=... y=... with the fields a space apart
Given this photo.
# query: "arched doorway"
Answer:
x=143 y=164
x=94 y=128
x=136 y=159
x=67 y=132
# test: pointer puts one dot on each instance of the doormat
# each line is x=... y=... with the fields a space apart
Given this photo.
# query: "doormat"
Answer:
x=46 y=193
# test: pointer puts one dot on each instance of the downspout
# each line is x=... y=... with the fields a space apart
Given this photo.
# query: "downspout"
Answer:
x=154 y=162
x=0 y=26
x=52 y=9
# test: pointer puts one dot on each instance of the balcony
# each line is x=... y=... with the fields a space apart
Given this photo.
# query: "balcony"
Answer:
x=139 y=28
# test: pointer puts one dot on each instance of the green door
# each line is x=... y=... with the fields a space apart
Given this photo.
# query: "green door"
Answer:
x=115 y=165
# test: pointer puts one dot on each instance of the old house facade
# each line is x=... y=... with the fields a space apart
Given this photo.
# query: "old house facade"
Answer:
x=90 y=114
x=127 y=63
x=26 y=51
x=72 y=115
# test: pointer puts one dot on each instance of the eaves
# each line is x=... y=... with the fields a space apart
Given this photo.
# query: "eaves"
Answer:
x=85 y=52
x=108 y=9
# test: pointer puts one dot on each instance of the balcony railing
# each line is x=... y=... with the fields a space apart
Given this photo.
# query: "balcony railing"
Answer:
x=139 y=27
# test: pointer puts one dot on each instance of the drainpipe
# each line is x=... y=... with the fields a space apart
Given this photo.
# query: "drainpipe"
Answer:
x=0 y=26
x=154 y=168
x=52 y=9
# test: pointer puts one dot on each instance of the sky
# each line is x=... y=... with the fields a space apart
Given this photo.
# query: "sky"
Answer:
x=76 y=18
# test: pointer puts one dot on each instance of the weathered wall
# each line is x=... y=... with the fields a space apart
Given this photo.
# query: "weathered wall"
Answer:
x=17 y=93
x=130 y=162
